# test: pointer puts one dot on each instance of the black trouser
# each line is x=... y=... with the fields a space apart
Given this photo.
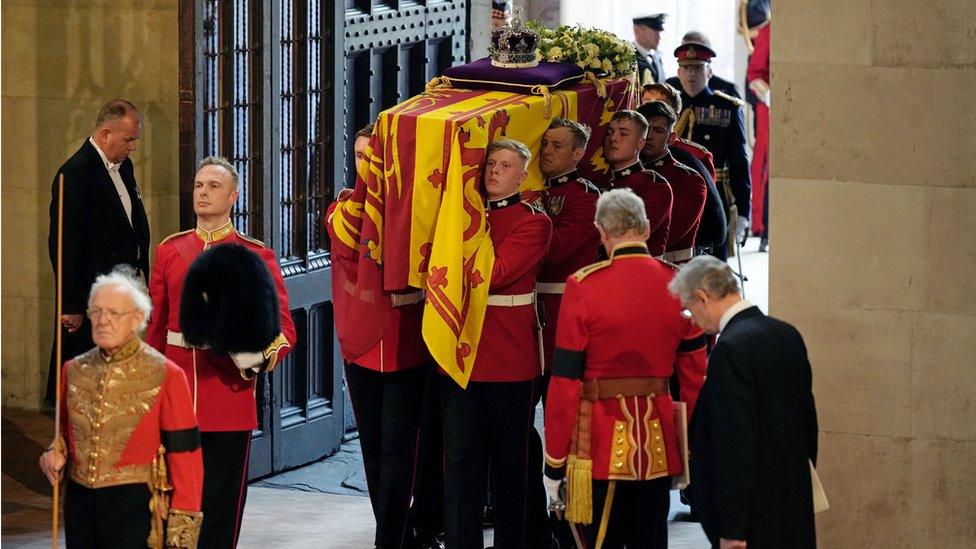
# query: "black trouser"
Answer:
x=638 y=514
x=387 y=408
x=488 y=421
x=72 y=345
x=225 y=455
x=116 y=516
x=427 y=512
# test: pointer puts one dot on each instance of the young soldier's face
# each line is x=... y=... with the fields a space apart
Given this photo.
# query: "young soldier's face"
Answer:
x=659 y=136
x=559 y=153
x=214 y=192
x=622 y=142
x=504 y=172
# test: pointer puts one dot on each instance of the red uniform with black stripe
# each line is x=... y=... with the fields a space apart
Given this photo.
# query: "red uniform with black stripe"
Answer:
x=224 y=400
x=509 y=347
x=699 y=152
x=618 y=320
x=570 y=202
x=656 y=194
x=689 y=192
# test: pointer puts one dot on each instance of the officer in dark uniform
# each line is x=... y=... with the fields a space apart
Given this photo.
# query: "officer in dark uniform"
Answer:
x=714 y=120
x=717 y=83
x=647 y=37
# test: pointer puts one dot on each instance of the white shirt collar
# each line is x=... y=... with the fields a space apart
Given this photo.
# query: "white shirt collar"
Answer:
x=742 y=305
x=108 y=165
x=641 y=50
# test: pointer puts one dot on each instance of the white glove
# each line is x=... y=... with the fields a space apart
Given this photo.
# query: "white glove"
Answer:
x=742 y=230
x=247 y=361
x=552 y=488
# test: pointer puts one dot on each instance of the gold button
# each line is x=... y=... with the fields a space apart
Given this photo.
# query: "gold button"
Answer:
x=620 y=440
x=620 y=428
x=96 y=438
x=619 y=452
x=98 y=424
x=619 y=464
x=91 y=479
x=93 y=455
x=100 y=396
x=657 y=438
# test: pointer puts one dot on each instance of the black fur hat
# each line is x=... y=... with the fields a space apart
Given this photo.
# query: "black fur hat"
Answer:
x=229 y=301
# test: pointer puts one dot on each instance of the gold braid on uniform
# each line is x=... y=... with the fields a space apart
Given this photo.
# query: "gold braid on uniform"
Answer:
x=183 y=529
x=685 y=124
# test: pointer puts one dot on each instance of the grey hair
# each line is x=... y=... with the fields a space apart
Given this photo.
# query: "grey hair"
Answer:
x=125 y=276
x=114 y=110
x=517 y=147
x=619 y=211
x=707 y=273
x=223 y=163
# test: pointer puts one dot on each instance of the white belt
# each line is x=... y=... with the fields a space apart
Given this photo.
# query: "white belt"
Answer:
x=399 y=300
x=516 y=300
x=550 y=287
x=678 y=255
x=176 y=339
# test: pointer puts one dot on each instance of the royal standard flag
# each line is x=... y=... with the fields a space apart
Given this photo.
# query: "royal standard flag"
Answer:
x=417 y=215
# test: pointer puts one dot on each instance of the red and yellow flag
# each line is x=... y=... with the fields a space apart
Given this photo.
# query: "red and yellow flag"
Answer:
x=417 y=218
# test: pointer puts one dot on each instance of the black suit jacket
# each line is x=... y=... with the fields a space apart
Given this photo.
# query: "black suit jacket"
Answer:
x=654 y=67
x=714 y=225
x=754 y=428
x=97 y=235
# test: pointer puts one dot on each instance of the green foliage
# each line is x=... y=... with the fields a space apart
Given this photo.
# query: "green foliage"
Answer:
x=592 y=49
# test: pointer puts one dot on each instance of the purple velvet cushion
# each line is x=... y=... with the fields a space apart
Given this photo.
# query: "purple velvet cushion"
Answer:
x=482 y=75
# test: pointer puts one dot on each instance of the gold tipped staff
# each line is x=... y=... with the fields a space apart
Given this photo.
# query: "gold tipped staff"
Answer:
x=57 y=370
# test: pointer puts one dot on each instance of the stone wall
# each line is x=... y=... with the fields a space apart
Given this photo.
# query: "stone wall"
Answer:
x=61 y=61
x=873 y=251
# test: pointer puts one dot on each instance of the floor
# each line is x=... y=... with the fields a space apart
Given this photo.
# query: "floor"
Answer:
x=325 y=502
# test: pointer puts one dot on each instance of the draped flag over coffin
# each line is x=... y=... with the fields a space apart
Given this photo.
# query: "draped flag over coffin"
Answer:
x=417 y=219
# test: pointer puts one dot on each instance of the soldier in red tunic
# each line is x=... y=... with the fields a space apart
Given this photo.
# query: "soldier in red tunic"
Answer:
x=491 y=419
x=387 y=384
x=688 y=187
x=222 y=384
x=610 y=421
x=622 y=145
x=129 y=433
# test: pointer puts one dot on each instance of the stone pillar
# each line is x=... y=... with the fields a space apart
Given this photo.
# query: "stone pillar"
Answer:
x=61 y=61
x=873 y=254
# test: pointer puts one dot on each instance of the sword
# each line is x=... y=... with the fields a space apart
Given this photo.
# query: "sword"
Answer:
x=558 y=508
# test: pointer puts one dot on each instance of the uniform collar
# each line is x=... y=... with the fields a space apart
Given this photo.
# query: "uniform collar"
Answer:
x=125 y=352
x=663 y=160
x=625 y=249
x=216 y=234
x=110 y=166
x=505 y=202
x=571 y=175
x=636 y=167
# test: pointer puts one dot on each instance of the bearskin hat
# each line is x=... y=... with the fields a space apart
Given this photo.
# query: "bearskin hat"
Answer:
x=229 y=301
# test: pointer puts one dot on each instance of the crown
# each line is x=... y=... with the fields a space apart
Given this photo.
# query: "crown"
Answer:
x=514 y=46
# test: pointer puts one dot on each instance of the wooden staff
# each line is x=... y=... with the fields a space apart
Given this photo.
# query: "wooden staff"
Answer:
x=57 y=370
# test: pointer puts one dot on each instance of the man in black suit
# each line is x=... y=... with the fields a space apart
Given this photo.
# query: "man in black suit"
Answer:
x=754 y=431
x=105 y=222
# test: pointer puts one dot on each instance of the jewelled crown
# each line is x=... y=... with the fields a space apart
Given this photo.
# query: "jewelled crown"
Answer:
x=514 y=46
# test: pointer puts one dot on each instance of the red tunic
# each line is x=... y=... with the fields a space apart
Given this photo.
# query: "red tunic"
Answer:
x=223 y=399
x=570 y=202
x=619 y=320
x=699 y=152
x=509 y=347
x=656 y=194
x=689 y=201
x=401 y=345
x=121 y=410
x=759 y=70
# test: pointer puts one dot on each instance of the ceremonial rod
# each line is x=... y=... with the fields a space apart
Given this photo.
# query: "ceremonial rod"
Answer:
x=57 y=369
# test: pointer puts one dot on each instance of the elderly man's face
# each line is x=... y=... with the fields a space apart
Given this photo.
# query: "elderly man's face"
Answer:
x=114 y=317
x=117 y=138
x=700 y=309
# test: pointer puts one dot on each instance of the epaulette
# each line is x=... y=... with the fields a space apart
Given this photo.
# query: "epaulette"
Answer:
x=252 y=240
x=589 y=186
x=738 y=102
x=695 y=145
x=536 y=208
x=174 y=235
x=590 y=269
